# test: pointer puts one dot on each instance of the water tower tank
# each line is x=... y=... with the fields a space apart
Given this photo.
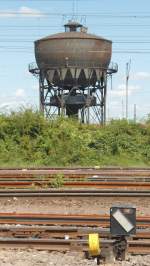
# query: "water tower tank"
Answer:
x=76 y=49
x=73 y=68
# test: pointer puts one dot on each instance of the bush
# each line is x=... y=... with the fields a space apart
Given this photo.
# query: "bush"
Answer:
x=28 y=139
x=58 y=181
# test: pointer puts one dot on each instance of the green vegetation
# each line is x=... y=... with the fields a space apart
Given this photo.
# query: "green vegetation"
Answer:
x=27 y=139
x=58 y=181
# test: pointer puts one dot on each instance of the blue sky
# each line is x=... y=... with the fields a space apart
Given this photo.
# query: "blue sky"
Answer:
x=126 y=23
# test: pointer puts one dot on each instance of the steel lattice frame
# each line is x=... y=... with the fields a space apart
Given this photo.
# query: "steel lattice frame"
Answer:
x=88 y=114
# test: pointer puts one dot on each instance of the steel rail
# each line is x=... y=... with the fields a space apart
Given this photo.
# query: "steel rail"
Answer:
x=80 y=184
x=95 y=178
x=64 y=232
x=56 y=219
x=66 y=238
x=50 y=244
x=74 y=193
x=78 y=168
x=78 y=173
x=134 y=246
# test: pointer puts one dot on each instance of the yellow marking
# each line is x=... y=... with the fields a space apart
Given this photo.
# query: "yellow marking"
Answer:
x=94 y=246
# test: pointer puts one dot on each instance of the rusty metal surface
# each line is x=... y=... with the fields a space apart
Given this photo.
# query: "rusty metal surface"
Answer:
x=49 y=193
x=73 y=35
x=61 y=219
x=80 y=168
x=77 y=64
x=40 y=231
x=77 y=172
x=135 y=247
x=46 y=183
x=54 y=237
x=86 y=53
x=82 y=50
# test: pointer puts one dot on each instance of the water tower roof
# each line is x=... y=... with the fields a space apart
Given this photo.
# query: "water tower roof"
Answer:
x=73 y=35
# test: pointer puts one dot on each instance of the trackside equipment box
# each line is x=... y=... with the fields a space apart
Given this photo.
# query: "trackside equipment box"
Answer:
x=122 y=221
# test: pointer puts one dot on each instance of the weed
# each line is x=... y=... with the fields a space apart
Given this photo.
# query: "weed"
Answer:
x=57 y=181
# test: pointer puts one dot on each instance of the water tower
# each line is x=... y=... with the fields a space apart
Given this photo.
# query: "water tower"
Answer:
x=73 y=68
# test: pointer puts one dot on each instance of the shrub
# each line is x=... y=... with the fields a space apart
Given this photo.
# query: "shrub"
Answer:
x=28 y=139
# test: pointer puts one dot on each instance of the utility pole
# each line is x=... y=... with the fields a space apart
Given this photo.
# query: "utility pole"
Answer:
x=134 y=113
x=128 y=66
x=122 y=109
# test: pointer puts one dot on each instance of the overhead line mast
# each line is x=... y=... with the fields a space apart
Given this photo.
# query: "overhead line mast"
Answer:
x=128 y=67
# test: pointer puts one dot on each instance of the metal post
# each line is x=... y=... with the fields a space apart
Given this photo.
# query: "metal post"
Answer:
x=102 y=107
x=88 y=108
x=103 y=99
x=122 y=109
x=134 y=113
x=82 y=115
x=62 y=103
x=41 y=92
x=105 y=95
x=128 y=65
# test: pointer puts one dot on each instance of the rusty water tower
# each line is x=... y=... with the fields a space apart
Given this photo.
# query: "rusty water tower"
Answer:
x=73 y=68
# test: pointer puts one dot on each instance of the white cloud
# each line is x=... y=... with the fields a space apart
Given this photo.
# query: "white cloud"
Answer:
x=141 y=76
x=20 y=93
x=15 y=105
x=6 y=13
x=23 y=11
x=11 y=105
x=26 y=11
x=121 y=90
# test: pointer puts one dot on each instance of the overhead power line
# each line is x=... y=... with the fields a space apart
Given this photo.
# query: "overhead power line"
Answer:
x=108 y=36
x=104 y=15
x=114 y=41
x=41 y=0
x=90 y=25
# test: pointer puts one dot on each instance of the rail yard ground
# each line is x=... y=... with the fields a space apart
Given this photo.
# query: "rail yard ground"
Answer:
x=70 y=205
x=23 y=209
x=44 y=258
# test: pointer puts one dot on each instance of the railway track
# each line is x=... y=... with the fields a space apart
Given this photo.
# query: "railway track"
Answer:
x=77 y=178
x=74 y=167
x=111 y=179
x=79 y=168
x=55 y=219
x=60 y=238
x=97 y=182
x=62 y=232
x=134 y=246
x=74 y=193
x=23 y=237
x=100 y=184
x=75 y=172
